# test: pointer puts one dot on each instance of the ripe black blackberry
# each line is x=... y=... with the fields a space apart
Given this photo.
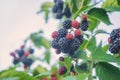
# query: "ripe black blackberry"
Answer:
x=55 y=43
x=60 y=4
x=75 y=44
x=115 y=46
x=54 y=9
x=80 y=38
x=114 y=34
x=20 y=52
x=26 y=61
x=67 y=12
x=67 y=24
x=62 y=32
x=64 y=45
x=31 y=50
x=59 y=15
x=16 y=60
x=84 y=25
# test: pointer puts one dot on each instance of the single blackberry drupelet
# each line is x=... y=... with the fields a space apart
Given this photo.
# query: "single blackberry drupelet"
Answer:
x=84 y=25
x=62 y=32
x=114 y=34
x=67 y=12
x=67 y=24
x=115 y=46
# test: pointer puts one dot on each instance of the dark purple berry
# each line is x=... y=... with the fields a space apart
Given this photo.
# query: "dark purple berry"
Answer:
x=62 y=70
x=54 y=9
x=31 y=50
x=20 y=52
x=75 y=44
x=15 y=61
x=62 y=32
x=26 y=61
x=67 y=12
x=59 y=15
x=67 y=24
x=61 y=59
x=80 y=38
x=114 y=34
x=58 y=51
x=84 y=25
x=55 y=43
x=115 y=46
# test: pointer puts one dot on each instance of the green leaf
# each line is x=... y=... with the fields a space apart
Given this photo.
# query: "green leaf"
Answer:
x=82 y=76
x=74 y=5
x=45 y=43
x=36 y=39
x=80 y=54
x=68 y=63
x=100 y=55
x=92 y=44
x=13 y=78
x=47 y=56
x=39 y=70
x=106 y=71
x=86 y=2
x=111 y=5
x=46 y=5
x=118 y=1
x=105 y=47
x=18 y=74
x=100 y=31
x=93 y=23
x=100 y=14
x=69 y=78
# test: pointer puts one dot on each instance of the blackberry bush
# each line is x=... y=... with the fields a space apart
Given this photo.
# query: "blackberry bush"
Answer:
x=81 y=51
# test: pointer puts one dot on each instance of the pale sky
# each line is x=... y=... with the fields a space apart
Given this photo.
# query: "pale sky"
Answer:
x=18 y=19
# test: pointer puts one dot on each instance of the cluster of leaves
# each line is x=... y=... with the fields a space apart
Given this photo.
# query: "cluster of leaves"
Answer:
x=97 y=56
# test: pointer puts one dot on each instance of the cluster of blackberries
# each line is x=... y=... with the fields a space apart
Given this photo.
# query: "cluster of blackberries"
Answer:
x=114 y=41
x=69 y=38
x=21 y=55
x=58 y=9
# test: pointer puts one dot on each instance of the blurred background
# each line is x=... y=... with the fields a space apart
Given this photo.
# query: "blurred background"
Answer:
x=18 y=19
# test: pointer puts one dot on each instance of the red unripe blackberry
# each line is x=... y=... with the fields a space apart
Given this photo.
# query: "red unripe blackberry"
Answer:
x=84 y=17
x=61 y=59
x=77 y=32
x=69 y=36
x=109 y=40
x=54 y=34
x=75 y=24
x=26 y=54
x=62 y=70
x=25 y=67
